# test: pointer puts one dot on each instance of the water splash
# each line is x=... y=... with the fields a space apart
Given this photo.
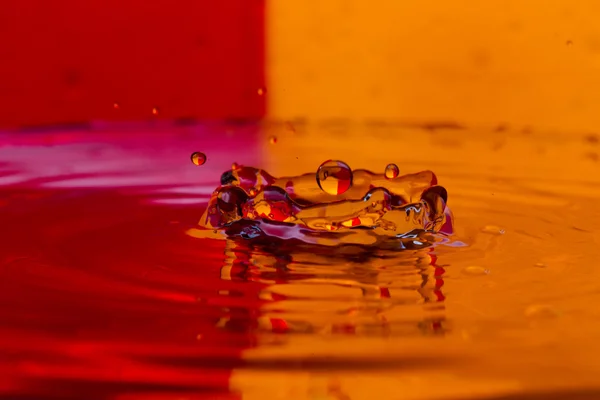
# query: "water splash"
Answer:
x=251 y=203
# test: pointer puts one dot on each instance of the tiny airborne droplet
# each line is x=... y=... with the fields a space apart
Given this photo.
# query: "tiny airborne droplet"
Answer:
x=116 y=106
x=392 y=171
x=198 y=158
x=261 y=91
x=273 y=139
x=334 y=177
x=155 y=111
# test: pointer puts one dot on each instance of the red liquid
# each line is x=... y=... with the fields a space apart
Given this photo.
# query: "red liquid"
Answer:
x=101 y=292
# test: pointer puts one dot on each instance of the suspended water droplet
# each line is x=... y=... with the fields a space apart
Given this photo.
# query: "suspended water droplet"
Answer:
x=154 y=111
x=569 y=43
x=116 y=106
x=392 y=171
x=273 y=139
x=198 y=158
x=261 y=91
x=334 y=177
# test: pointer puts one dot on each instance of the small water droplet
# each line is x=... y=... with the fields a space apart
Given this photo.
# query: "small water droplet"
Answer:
x=261 y=91
x=540 y=311
x=273 y=139
x=116 y=106
x=392 y=171
x=198 y=158
x=493 y=229
x=199 y=336
x=540 y=265
x=155 y=111
x=334 y=177
x=569 y=43
x=475 y=270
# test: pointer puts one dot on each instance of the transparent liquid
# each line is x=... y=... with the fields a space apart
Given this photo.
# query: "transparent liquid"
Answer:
x=105 y=294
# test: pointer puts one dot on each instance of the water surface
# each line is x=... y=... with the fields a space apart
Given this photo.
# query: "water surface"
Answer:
x=104 y=295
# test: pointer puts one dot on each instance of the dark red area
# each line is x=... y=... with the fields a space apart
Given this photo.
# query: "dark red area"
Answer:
x=102 y=295
x=71 y=61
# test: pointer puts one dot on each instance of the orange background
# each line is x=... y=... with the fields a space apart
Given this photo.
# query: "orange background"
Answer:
x=515 y=62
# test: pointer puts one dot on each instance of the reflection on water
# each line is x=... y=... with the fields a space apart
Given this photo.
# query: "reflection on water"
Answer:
x=105 y=295
x=350 y=290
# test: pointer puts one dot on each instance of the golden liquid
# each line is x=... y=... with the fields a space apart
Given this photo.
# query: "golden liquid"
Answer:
x=520 y=313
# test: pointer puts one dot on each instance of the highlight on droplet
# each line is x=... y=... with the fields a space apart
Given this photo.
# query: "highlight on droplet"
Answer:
x=273 y=139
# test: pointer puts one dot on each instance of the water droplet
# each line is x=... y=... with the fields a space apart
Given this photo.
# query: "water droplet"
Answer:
x=492 y=229
x=116 y=106
x=155 y=111
x=569 y=43
x=392 y=171
x=334 y=177
x=273 y=139
x=199 y=336
x=540 y=265
x=198 y=158
x=261 y=91
x=475 y=270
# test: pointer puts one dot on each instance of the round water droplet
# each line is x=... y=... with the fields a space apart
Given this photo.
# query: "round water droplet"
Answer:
x=155 y=111
x=261 y=91
x=116 y=106
x=334 y=177
x=392 y=171
x=198 y=158
x=273 y=139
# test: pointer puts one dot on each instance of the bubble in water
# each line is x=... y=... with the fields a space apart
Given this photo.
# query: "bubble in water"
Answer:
x=392 y=171
x=273 y=139
x=198 y=158
x=334 y=177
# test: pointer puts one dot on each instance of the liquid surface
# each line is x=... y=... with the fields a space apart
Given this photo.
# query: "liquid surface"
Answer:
x=105 y=295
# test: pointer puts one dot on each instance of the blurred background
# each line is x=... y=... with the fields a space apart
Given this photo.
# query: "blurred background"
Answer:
x=500 y=98
x=503 y=62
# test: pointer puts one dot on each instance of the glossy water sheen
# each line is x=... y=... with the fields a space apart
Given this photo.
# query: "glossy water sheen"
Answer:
x=103 y=294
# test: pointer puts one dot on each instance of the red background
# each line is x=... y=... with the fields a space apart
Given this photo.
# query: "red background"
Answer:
x=67 y=61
